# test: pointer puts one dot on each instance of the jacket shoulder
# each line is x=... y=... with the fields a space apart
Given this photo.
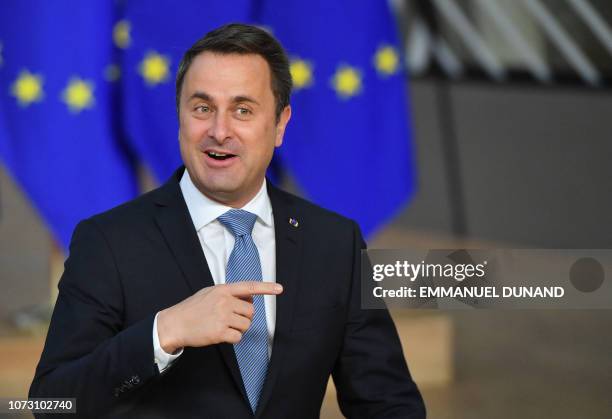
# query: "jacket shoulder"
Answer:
x=322 y=218
x=128 y=214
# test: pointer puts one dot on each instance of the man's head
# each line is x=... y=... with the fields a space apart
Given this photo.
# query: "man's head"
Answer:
x=232 y=97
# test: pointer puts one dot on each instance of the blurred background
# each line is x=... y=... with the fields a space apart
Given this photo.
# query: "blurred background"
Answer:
x=434 y=123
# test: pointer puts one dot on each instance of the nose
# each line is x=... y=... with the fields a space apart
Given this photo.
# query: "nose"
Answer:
x=219 y=129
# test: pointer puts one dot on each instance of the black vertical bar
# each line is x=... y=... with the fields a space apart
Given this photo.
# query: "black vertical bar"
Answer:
x=446 y=116
x=452 y=161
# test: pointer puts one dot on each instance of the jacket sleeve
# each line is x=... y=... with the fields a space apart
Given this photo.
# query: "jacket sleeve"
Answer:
x=371 y=375
x=89 y=354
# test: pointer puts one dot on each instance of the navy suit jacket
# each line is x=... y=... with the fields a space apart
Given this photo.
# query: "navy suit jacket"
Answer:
x=127 y=264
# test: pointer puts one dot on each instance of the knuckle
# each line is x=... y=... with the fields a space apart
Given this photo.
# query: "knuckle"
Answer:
x=224 y=319
x=234 y=336
x=220 y=330
x=223 y=302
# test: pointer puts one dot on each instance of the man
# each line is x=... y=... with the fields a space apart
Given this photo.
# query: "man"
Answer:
x=218 y=295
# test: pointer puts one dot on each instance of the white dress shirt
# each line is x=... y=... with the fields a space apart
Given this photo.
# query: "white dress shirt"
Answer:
x=217 y=243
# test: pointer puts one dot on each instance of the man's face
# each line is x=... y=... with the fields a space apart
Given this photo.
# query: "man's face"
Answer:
x=227 y=125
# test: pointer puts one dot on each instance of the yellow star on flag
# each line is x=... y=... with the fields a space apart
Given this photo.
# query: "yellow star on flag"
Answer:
x=78 y=95
x=347 y=81
x=121 y=34
x=386 y=60
x=301 y=73
x=154 y=68
x=27 y=88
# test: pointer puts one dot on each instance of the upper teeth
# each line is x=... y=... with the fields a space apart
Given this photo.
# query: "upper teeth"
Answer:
x=213 y=153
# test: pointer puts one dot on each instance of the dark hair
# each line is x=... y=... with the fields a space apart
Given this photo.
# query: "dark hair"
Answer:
x=237 y=38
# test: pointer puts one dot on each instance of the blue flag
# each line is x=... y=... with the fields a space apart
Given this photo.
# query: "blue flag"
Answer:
x=88 y=89
x=157 y=35
x=57 y=130
x=348 y=144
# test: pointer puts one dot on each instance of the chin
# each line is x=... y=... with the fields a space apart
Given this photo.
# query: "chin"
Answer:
x=215 y=179
x=219 y=186
x=213 y=185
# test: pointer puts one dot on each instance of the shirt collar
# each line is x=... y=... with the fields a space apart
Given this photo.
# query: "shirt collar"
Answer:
x=204 y=210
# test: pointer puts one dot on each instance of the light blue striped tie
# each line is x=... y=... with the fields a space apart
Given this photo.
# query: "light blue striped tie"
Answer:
x=244 y=265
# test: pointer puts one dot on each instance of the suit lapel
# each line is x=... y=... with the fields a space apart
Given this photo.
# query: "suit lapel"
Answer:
x=288 y=257
x=176 y=226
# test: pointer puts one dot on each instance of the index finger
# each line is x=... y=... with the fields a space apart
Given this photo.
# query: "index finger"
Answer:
x=247 y=288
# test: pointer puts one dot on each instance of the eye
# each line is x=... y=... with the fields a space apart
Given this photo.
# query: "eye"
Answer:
x=242 y=111
x=202 y=109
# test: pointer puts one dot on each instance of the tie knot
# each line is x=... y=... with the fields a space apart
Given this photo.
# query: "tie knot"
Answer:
x=238 y=222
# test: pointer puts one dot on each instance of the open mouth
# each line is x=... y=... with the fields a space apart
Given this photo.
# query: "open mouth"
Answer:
x=219 y=156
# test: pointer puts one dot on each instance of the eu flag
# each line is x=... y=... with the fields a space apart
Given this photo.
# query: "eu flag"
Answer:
x=348 y=144
x=86 y=89
x=58 y=134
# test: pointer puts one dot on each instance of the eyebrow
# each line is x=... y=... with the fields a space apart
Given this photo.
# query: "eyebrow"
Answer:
x=235 y=99
x=200 y=95
x=249 y=99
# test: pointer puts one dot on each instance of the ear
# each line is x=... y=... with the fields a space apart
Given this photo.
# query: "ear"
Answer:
x=285 y=116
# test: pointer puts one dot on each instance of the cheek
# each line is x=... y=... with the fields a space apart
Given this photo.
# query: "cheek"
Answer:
x=193 y=130
x=185 y=148
x=259 y=152
x=189 y=140
x=268 y=136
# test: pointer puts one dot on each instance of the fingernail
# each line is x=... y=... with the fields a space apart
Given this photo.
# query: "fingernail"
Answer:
x=278 y=287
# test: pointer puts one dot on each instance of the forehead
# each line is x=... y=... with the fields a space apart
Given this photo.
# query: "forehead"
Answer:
x=228 y=74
